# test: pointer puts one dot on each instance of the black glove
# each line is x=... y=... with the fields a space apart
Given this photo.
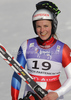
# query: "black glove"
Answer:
x=28 y=95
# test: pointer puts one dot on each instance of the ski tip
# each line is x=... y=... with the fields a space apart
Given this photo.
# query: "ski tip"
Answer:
x=1 y=46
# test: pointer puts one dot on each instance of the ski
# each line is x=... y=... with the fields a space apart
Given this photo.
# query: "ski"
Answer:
x=13 y=63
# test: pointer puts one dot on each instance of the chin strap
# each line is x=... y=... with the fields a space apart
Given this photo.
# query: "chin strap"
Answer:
x=46 y=39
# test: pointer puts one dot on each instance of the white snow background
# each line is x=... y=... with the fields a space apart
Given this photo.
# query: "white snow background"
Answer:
x=16 y=26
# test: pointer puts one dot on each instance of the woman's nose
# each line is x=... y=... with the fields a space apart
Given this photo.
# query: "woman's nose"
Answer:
x=42 y=29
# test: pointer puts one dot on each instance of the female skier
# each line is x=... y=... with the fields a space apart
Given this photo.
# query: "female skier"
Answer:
x=44 y=55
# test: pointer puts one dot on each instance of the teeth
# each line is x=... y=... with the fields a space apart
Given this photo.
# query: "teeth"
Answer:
x=43 y=34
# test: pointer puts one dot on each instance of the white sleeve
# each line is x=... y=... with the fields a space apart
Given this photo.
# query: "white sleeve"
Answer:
x=24 y=47
x=66 y=87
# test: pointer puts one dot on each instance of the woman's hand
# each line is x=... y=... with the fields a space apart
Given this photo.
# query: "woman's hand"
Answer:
x=51 y=96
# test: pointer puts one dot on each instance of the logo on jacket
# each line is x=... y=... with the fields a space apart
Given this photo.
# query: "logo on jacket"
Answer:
x=43 y=53
x=58 y=48
x=31 y=45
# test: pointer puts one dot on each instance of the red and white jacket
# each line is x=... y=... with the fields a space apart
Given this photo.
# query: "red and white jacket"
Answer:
x=45 y=61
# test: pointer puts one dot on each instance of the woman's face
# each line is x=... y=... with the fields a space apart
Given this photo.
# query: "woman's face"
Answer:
x=43 y=29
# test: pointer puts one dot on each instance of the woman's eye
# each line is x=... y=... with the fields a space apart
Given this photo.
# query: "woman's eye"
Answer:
x=46 y=25
x=37 y=26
